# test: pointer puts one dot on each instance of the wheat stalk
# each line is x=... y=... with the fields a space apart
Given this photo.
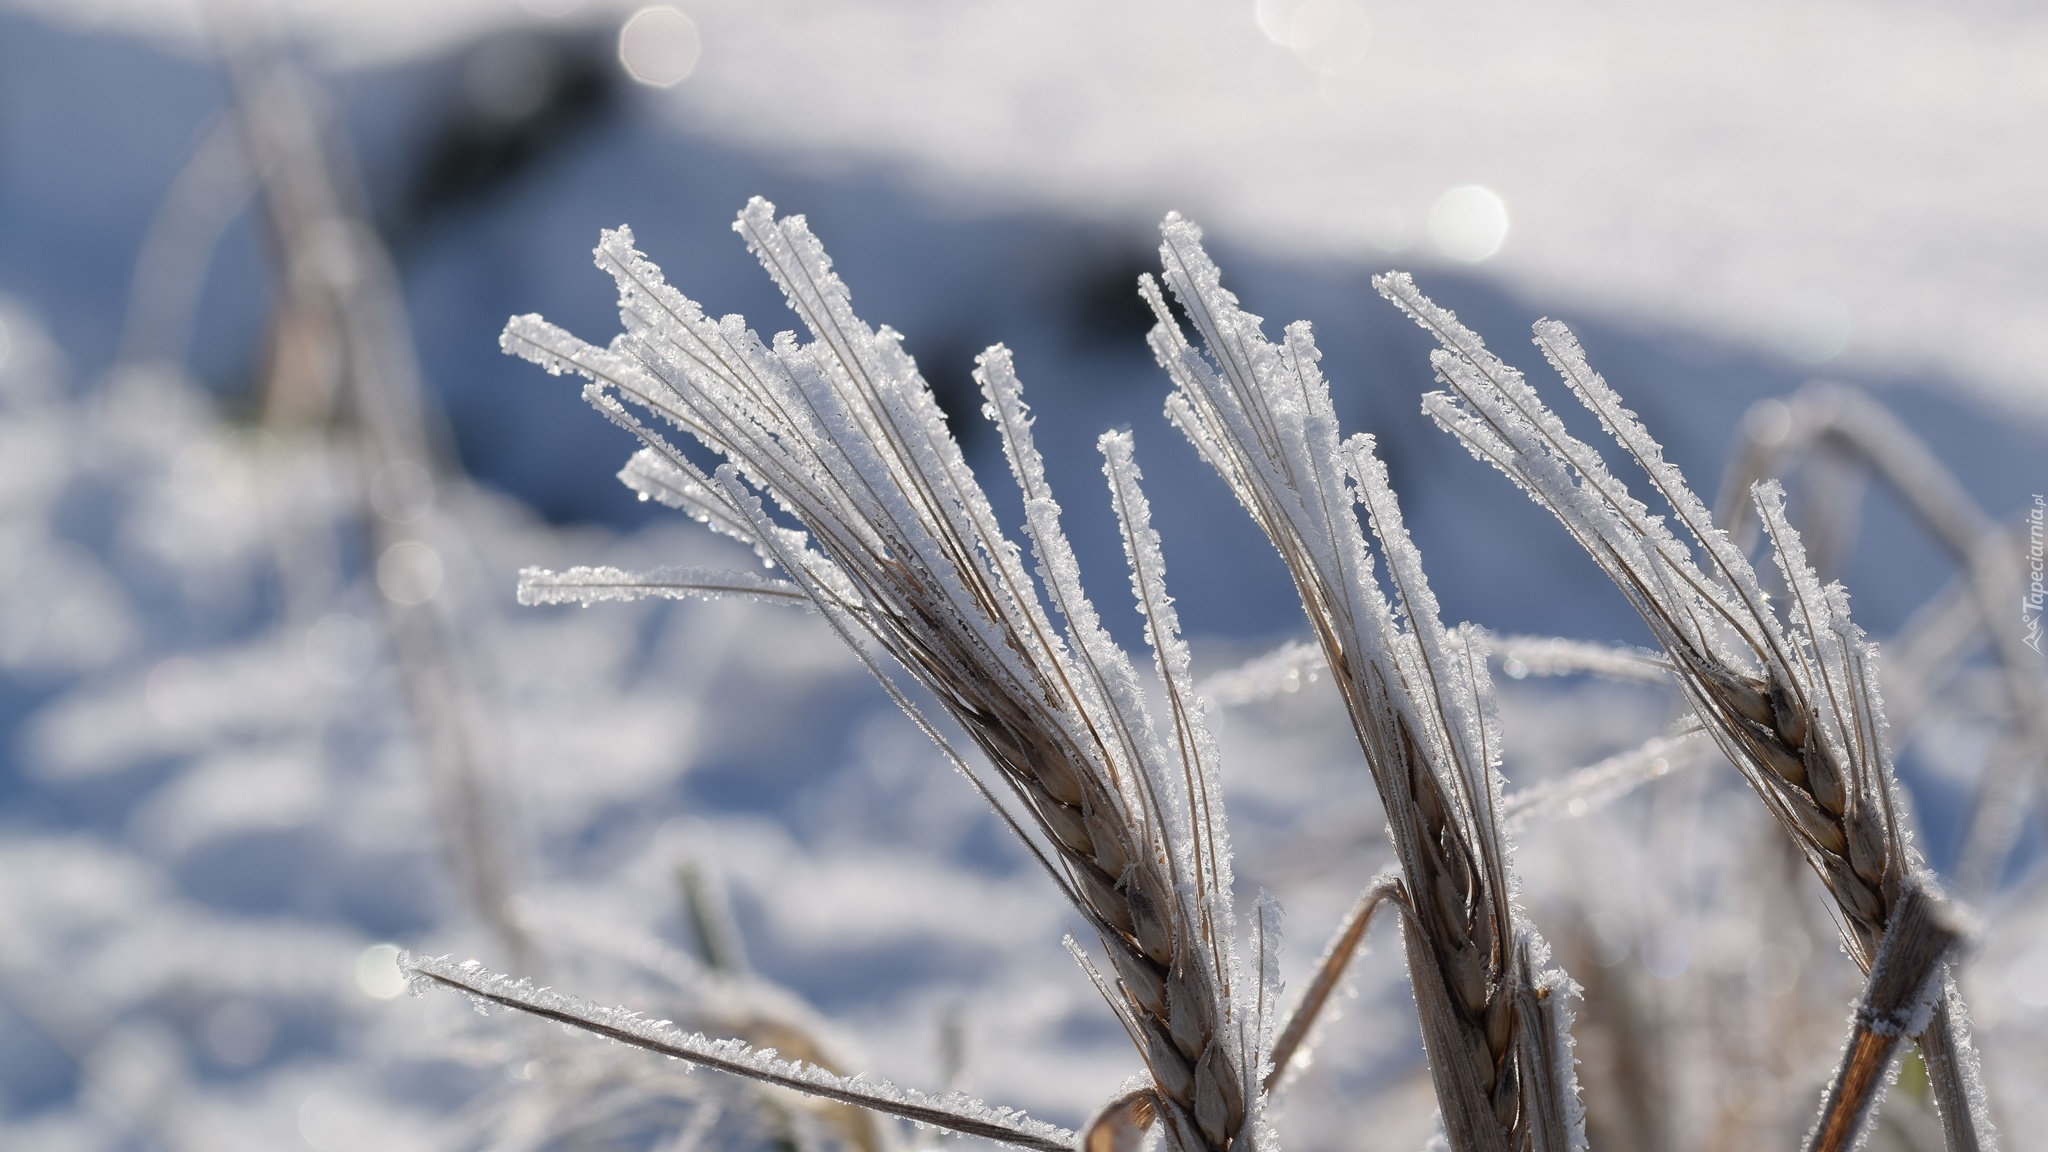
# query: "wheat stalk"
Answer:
x=1905 y=979
x=955 y=1112
x=1796 y=709
x=1288 y=667
x=1847 y=422
x=341 y=357
x=1293 y=1039
x=899 y=546
x=1493 y=1020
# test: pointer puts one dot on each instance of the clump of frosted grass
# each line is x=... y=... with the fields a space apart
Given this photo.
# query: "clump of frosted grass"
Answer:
x=838 y=470
x=895 y=544
x=1793 y=701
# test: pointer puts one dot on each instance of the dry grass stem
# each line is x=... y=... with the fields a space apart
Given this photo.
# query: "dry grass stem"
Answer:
x=1589 y=789
x=586 y=586
x=955 y=1113
x=1267 y=676
x=1293 y=1041
x=1521 y=656
x=1904 y=981
x=1288 y=667
x=341 y=363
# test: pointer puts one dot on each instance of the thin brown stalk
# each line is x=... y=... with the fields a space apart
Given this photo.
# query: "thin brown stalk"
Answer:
x=707 y=909
x=953 y=1113
x=342 y=360
x=1904 y=980
x=1329 y=974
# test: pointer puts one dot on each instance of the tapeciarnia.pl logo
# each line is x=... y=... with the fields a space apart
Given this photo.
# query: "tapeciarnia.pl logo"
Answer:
x=2037 y=561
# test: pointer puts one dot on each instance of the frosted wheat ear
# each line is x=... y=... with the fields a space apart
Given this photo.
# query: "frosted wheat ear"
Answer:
x=1793 y=703
x=874 y=519
x=1494 y=1018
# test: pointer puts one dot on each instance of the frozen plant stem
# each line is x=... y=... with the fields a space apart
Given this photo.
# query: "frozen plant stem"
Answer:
x=342 y=359
x=1337 y=957
x=955 y=1112
x=1904 y=981
x=1830 y=419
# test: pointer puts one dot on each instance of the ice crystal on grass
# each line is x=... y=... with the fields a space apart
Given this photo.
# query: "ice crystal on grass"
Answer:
x=957 y=1111
x=1790 y=698
x=873 y=515
x=587 y=586
x=1521 y=656
x=1283 y=670
x=1420 y=701
x=1593 y=787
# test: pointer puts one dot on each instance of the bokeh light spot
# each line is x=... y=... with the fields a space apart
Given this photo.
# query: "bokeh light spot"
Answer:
x=659 y=46
x=377 y=972
x=409 y=572
x=1330 y=36
x=1469 y=223
x=401 y=491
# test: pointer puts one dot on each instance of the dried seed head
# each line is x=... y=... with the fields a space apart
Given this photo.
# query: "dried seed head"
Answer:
x=1787 y=715
x=1824 y=776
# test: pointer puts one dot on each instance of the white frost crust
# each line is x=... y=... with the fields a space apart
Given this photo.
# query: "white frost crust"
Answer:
x=678 y=484
x=1106 y=684
x=1969 y=1066
x=1589 y=789
x=1701 y=620
x=955 y=1111
x=1283 y=670
x=1521 y=656
x=1832 y=656
x=1201 y=795
x=1260 y=413
x=1502 y=421
x=840 y=471
x=587 y=586
x=1718 y=628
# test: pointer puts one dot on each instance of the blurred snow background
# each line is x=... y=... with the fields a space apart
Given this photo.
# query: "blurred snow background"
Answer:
x=216 y=815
